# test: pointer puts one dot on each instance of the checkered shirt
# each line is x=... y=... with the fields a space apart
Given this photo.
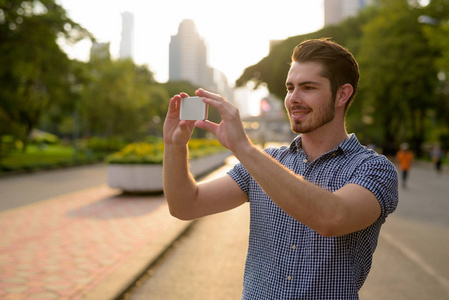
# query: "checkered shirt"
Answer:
x=288 y=260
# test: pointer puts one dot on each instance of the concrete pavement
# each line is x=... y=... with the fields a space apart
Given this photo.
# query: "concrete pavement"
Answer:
x=205 y=263
x=22 y=189
x=412 y=258
x=411 y=261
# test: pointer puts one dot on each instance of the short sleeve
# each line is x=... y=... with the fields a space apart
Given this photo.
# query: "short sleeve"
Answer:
x=379 y=176
x=241 y=176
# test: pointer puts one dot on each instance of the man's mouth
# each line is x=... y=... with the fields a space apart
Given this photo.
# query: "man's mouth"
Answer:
x=299 y=112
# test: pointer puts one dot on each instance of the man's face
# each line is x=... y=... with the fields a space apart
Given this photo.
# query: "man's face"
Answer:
x=309 y=100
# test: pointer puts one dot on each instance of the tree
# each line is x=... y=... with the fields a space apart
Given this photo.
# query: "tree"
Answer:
x=396 y=95
x=122 y=99
x=437 y=31
x=272 y=70
x=398 y=75
x=38 y=71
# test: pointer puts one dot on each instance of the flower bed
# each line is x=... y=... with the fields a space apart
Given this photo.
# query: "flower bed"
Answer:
x=137 y=168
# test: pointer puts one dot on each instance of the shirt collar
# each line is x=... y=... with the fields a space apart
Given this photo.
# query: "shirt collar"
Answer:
x=347 y=145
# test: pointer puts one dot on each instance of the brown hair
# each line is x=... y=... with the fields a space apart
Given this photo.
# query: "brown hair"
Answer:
x=339 y=65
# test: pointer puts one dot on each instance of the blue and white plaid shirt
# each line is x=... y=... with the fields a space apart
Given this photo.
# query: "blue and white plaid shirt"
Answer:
x=288 y=260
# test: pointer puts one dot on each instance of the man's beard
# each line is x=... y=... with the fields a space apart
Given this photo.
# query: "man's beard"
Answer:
x=308 y=126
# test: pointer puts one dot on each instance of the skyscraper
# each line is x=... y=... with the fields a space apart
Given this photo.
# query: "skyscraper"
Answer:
x=127 y=42
x=188 y=56
x=336 y=11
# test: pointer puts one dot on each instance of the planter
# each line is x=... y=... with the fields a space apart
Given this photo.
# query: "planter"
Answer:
x=135 y=178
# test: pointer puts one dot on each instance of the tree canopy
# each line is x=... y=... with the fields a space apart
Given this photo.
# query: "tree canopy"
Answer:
x=399 y=59
x=402 y=96
x=42 y=87
x=37 y=72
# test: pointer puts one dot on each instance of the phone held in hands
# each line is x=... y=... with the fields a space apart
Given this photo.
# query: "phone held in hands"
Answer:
x=193 y=108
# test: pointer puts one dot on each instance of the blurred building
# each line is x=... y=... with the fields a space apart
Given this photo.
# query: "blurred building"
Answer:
x=100 y=51
x=188 y=61
x=336 y=11
x=188 y=56
x=127 y=41
x=221 y=85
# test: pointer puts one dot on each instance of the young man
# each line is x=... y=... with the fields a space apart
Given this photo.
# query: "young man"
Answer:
x=316 y=206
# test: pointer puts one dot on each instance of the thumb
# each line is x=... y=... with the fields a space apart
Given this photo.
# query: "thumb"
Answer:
x=207 y=125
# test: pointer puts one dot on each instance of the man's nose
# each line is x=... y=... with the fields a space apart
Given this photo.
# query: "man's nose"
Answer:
x=295 y=97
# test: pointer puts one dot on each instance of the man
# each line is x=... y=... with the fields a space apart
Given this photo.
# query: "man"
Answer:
x=405 y=158
x=316 y=206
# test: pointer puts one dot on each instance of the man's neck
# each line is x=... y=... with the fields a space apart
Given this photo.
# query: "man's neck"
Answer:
x=316 y=144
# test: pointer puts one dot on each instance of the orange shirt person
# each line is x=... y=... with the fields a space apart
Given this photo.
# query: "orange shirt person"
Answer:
x=405 y=159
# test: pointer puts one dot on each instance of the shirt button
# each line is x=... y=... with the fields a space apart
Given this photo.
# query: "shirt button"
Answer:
x=304 y=160
x=293 y=247
x=289 y=278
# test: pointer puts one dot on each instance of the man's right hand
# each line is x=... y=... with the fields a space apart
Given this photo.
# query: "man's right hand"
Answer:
x=177 y=132
x=186 y=199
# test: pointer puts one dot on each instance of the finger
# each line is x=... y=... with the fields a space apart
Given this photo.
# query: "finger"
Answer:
x=215 y=100
x=187 y=123
x=207 y=94
x=226 y=110
x=174 y=107
x=186 y=127
x=173 y=104
x=207 y=125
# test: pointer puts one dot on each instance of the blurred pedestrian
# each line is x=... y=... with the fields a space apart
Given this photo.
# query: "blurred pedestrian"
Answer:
x=437 y=157
x=405 y=158
x=316 y=206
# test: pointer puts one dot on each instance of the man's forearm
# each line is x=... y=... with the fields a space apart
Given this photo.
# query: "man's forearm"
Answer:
x=301 y=199
x=180 y=187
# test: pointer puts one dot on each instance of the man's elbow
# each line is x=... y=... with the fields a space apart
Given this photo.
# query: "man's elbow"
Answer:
x=180 y=214
x=338 y=226
x=331 y=227
x=326 y=231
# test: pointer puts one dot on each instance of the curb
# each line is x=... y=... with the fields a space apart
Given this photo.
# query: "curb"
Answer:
x=121 y=280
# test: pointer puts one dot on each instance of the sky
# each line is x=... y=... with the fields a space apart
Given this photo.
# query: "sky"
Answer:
x=236 y=32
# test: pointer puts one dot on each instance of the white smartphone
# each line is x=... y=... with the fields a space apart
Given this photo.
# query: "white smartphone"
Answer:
x=193 y=108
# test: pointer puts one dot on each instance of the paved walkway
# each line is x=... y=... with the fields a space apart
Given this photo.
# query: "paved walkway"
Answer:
x=206 y=263
x=410 y=262
x=74 y=246
x=22 y=189
x=91 y=244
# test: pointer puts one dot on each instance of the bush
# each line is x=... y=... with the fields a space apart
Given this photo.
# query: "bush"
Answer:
x=41 y=137
x=108 y=145
x=153 y=153
x=49 y=157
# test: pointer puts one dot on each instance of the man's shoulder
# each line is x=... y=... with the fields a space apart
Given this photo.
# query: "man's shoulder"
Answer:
x=276 y=150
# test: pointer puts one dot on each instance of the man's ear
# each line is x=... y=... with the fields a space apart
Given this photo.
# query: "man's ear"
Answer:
x=343 y=94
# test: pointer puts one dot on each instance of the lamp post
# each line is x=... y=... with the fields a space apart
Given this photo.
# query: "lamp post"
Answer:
x=75 y=89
